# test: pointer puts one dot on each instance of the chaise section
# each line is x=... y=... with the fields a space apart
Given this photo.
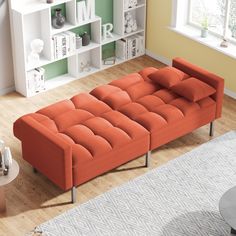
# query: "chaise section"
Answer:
x=82 y=135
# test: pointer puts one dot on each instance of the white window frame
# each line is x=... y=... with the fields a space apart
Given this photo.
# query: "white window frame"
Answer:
x=180 y=24
x=189 y=22
x=225 y=34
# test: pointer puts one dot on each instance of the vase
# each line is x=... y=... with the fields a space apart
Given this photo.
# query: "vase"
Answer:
x=58 y=20
x=85 y=39
x=204 y=33
x=78 y=40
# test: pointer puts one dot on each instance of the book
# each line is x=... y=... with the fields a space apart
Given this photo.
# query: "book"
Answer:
x=141 y=45
x=64 y=44
x=72 y=42
x=121 y=49
x=134 y=46
x=36 y=80
x=131 y=47
x=54 y=46
x=58 y=46
x=66 y=39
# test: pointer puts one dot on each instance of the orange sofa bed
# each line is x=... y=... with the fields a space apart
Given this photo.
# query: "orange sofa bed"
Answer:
x=75 y=140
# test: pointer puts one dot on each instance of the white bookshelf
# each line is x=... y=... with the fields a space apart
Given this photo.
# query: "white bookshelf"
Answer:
x=31 y=19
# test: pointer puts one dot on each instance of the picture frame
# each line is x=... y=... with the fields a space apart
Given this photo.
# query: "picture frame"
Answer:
x=109 y=61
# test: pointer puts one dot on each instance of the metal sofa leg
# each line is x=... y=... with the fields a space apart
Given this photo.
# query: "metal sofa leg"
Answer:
x=73 y=194
x=211 y=129
x=35 y=170
x=148 y=159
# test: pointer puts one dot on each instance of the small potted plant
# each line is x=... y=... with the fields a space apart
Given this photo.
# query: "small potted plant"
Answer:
x=233 y=30
x=205 y=25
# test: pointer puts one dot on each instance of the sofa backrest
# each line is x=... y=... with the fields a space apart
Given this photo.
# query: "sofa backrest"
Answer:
x=205 y=76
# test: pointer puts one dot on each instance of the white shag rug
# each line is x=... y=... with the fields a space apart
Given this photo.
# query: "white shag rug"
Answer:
x=180 y=198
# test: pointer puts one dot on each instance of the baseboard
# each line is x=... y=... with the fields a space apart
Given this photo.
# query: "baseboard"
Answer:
x=168 y=62
x=158 y=58
x=7 y=90
x=230 y=93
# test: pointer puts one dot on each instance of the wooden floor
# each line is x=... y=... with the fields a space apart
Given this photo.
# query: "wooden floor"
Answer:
x=33 y=199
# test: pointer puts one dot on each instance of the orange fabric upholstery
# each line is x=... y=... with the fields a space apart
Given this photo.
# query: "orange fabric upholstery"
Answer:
x=168 y=76
x=159 y=109
x=44 y=150
x=205 y=76
x=79 y=132
x=193 y=89
x=146 y=72
x=75 y=140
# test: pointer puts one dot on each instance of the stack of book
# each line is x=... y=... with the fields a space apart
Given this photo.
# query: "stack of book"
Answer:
x=130 y=47
x=36 y=80
x=64 y=44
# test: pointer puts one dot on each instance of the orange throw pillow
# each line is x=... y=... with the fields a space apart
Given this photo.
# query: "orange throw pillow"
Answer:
x=193 y=89
x=168 y=76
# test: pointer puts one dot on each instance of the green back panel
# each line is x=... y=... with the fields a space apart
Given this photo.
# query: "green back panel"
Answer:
x=104 y=9
x=56 y=69
x=82 y=29
x=108 y=50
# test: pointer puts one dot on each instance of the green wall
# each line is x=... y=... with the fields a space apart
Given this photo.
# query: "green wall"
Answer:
x=104 y=9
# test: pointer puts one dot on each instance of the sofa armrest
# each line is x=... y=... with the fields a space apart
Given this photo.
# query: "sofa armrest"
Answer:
x=45 y=151
x=205 y=76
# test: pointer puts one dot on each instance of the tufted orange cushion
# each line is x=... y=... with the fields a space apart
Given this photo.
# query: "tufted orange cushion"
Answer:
x=166 y=95
x=56 y=109
x=115 y=100
x=90 y=126
x=185 y=106
x=103 y=91
x=146 y=72
x=168 y=76
x=141 y=89
x=193 y=89
x=127 y=81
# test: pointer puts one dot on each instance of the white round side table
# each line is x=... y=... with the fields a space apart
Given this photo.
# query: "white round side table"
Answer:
x=6 y=179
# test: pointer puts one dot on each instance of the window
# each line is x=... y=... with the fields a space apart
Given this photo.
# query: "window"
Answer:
x=219 y=16
x=189 y=16
x=232 y=19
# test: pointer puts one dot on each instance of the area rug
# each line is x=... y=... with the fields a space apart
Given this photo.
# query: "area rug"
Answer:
x=180 y=198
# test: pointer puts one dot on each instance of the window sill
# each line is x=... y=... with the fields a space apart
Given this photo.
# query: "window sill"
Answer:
x=211 y=41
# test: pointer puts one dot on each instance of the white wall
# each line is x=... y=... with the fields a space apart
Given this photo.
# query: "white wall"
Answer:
x=6 y=64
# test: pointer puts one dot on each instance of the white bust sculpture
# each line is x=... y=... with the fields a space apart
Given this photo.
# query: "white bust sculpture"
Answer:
x=36 y=48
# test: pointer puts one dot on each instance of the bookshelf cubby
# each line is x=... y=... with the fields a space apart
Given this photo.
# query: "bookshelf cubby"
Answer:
x=32 y=19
